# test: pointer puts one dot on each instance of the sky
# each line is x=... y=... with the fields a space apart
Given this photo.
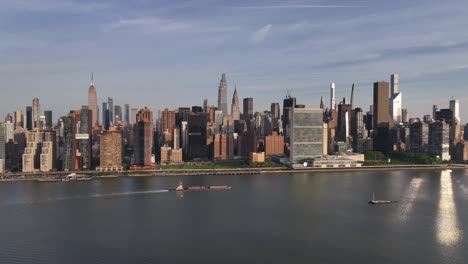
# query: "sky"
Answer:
x=166 y=54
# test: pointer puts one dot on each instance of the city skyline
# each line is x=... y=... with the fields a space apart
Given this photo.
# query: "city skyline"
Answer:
x=265 y=49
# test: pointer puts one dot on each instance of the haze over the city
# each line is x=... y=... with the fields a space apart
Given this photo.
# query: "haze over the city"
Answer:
x=165 y=54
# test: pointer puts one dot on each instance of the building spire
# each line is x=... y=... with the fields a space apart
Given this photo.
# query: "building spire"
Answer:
x=92 y=78
x=322 y=105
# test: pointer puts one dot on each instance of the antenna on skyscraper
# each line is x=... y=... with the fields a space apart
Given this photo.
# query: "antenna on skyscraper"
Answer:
x=92 y=78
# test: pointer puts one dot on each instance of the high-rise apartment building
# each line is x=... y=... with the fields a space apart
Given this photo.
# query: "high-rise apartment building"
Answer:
x=248 y=108
x=306 y=134
x=110 y=151
x=274 y=145
x=439 y=142
x=36 y=112
x=223 y=146
x=2 y=148
x=19 y=122
x=419 y=137
x=222 y=94
x=332 y=96
x=235 y=105
x=84 y=139
x=344 y=122
x=92 y=102
x=117 y=114
x=143 y=130
x=357 y=130
x=39 y=154
x=133 y=115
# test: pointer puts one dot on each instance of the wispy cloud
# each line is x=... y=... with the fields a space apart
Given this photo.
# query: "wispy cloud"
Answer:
x=148 y=23
x=300 y=6
x=260 y=35
x=68 y=6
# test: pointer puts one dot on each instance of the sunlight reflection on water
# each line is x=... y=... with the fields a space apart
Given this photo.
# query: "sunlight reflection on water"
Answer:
x=448 y=230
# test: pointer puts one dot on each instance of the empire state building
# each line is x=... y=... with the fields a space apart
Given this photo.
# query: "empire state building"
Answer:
x=92 y=102
x=222 y=94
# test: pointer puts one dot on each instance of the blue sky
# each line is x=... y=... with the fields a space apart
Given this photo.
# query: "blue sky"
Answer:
x=172 y=53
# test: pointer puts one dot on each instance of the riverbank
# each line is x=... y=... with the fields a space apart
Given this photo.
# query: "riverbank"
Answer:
x=239 y=171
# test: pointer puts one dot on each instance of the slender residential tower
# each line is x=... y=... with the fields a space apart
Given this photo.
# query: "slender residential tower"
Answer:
x=222 y=94
x=395 y=100
x=92 y=102
x=352 y=97
x=36 y=112
x=332 y=96
x=235 y=105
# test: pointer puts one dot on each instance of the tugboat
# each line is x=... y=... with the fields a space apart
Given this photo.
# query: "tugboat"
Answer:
x=374 y=201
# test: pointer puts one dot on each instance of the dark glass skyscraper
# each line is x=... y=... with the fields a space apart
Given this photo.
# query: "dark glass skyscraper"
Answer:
x=248 y=109
x=110 y=106
x=105 y=114
x=29 y=118
x=48 y=118
x=84 y=143
x=222 y=95
x=127 y=114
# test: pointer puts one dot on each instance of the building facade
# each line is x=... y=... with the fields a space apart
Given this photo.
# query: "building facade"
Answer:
x=143 y=131
x=306 y=134
x=110 y=151
x=222 y=94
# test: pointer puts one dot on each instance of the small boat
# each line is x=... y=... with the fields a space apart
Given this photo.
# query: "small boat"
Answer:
x=374 y=201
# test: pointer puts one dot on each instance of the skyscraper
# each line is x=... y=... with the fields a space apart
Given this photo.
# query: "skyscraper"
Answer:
x=143 y=131
x=36 y=112
x=133 y=115
x=275 y=112
x=127 y=113
x=19 y=122
x=2 y=148
x=105 y=113
x=381 y=104
x=222 y=94
x=110 y=150
x=357 y=130
x=352 y=97
x=235 y=105
x=29 y=118
x=110 y=106
x=248 y=108
x=306 y=134
x=84 y=138
x=48 y=118
x=288 y=104
x=439 y=141
x=395 y=100
x=454 y=105
x=117 y=114
x=332 y=96
x=92 y=101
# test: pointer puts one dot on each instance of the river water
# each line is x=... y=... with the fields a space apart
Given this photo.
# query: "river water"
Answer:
x=268 y=218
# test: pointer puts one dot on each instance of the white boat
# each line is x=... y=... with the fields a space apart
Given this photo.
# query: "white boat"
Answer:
x=374 y=201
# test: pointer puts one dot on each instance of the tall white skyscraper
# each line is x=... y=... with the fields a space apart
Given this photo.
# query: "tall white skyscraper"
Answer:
x=332 y=96
x=454 y=105
x=395 y=100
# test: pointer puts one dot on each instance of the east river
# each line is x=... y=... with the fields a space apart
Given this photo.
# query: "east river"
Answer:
x=267 y=218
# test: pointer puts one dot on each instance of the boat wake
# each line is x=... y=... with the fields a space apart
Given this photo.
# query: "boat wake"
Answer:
x=91 y=196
